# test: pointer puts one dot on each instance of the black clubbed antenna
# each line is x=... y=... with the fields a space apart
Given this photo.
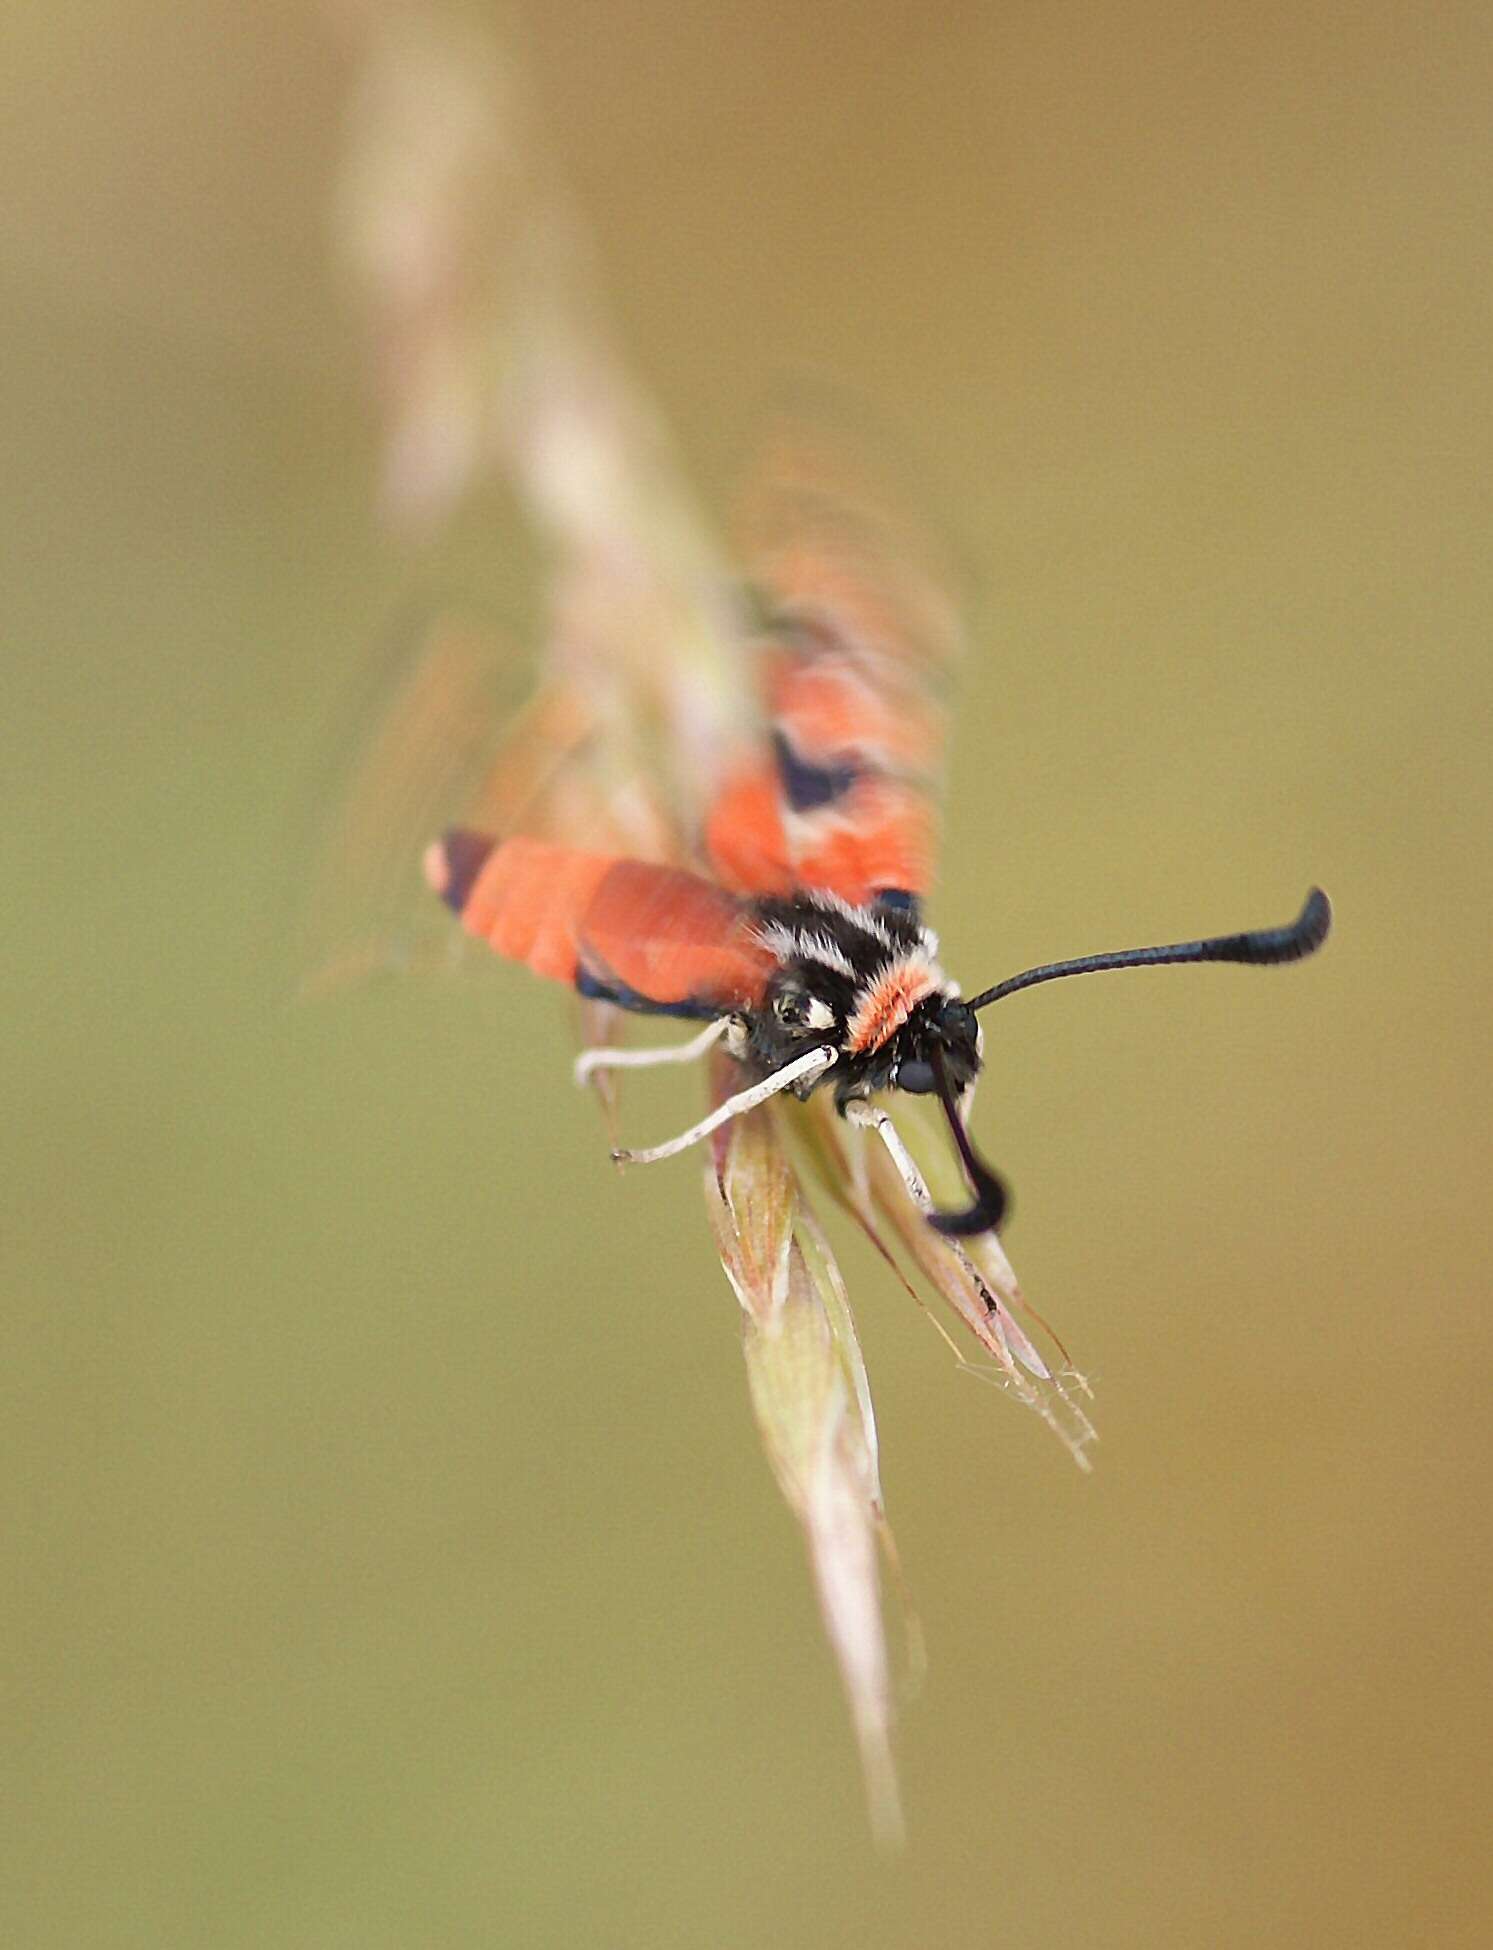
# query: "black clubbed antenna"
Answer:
x=991 y=1199
x=1265 y=946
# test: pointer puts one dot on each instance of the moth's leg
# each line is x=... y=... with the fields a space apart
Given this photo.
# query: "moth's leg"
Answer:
x=812 y=1064
x=871 y=1119
x=603 y=1058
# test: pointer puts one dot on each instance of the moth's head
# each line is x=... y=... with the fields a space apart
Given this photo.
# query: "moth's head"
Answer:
x=941 y=1023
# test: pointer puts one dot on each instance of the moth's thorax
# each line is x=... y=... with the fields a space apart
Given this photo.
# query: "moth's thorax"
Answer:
x=886 y=1003
x=865 y=981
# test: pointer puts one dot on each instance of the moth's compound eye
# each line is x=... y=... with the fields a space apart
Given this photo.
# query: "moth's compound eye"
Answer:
x=790 y=1008
x=797 y=1009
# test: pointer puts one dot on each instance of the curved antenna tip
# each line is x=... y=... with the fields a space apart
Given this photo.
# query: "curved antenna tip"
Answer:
x=1314 y=923
x=985 y=1215
x=991 y=1200
x=1296 y=940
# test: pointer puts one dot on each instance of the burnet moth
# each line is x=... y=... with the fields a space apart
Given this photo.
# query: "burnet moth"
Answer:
x=803 y=948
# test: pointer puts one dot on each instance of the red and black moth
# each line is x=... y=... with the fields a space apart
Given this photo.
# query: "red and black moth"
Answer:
x=802 y=948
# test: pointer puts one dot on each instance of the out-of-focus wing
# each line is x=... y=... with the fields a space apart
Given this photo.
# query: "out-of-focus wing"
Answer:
x=857 y=643
x=443 y=740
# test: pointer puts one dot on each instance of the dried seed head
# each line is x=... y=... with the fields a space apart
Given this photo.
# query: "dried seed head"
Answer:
x=813 y=1408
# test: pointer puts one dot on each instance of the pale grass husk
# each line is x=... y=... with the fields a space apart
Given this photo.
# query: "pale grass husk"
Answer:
x=812 y=1401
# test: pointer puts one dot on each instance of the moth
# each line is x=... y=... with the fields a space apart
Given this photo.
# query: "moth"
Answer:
x=798 y=939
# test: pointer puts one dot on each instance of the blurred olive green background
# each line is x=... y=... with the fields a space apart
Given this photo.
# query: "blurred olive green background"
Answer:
x=390 y=1559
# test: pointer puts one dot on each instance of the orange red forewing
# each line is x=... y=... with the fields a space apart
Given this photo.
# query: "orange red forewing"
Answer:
x=655 y=933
